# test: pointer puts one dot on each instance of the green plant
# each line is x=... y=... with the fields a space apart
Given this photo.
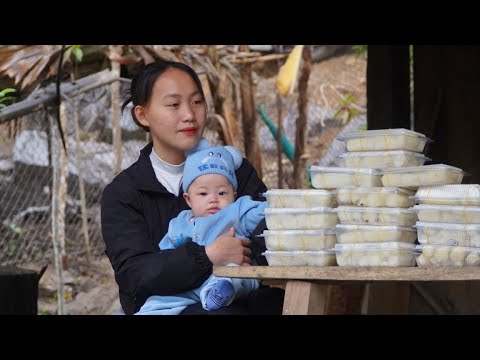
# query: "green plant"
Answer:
x=4 y=99
x=346 y=110
x=360 y=50
x=76 y=50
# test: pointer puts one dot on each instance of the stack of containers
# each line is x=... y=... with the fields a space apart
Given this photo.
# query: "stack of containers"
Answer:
x=301 y=227
x=449 y=225
x=376 y=223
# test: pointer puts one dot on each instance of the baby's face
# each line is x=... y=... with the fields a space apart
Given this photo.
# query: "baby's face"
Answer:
x=208 y=194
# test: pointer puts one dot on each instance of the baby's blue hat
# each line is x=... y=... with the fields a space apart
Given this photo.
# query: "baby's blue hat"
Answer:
x=205 y=159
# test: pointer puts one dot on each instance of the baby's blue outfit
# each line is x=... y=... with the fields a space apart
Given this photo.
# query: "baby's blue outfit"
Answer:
x=244 y=215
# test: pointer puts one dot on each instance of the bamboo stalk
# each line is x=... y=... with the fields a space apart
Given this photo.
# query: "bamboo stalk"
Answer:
x=115 y=107
x=81 y=184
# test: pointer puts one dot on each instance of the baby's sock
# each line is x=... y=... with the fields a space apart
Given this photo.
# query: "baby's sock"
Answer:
x=219 y=295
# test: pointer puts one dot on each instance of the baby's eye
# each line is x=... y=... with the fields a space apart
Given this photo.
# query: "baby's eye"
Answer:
x=221 y=193
x=203 y=194
x=198 y=102
x=173 y=105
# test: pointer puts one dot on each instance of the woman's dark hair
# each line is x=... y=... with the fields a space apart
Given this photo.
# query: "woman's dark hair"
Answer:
x=142 y=84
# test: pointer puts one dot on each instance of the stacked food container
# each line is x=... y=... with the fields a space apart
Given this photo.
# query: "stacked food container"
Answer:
x=376 y=223
x=301 y=227
x=449 y=225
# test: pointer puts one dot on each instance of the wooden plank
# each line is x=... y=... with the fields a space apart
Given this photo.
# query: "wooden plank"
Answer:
x=388 y=298
x=305 y=298
x=342 y=273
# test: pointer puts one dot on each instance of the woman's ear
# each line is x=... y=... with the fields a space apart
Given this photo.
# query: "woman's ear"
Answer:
x=187 y=199
x=139 y=113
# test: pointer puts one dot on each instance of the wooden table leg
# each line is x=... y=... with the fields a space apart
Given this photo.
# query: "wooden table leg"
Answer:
x=305 y=298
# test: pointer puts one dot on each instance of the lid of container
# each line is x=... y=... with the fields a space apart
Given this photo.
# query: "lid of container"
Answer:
x=297 y=192
x=423 y=168
x=298 y=210
x=343 y=170
x=381 y=132
x=394 y=245
x=296 y=232
x=353 y=227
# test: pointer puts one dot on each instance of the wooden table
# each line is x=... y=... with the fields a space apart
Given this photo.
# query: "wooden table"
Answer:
x=307 y=288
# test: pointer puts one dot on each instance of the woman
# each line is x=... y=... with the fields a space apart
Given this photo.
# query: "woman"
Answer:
x=138 y=205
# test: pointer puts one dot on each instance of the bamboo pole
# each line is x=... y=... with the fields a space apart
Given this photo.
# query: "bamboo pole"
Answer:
x=62 y=188
x=81 y=184
x=54 y=216
x=279 y=141
x=115 y=107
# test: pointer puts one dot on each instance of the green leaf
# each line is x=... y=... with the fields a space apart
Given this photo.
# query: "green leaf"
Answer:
x=78 y=53
x=7 y=91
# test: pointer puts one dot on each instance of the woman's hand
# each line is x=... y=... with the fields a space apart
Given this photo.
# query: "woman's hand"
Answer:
x=227 y=249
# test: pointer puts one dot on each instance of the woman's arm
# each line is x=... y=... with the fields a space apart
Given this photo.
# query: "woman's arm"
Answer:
x=141 y=270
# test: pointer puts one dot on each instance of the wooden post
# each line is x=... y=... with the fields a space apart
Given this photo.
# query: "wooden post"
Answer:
x=81 y=184
x=305 y=298
x=388 y=87
x=55 y=148
x=115 y=106
x=249 y=117
x=300 y=162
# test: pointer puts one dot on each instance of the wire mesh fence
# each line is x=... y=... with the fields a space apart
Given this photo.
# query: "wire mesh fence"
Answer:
x=30 y=146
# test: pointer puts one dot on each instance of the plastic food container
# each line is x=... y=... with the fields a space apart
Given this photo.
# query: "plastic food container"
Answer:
x=460 y=194
x=300 y=198
x=416 y=176
x=448 y=234
x=448 y=214
x=391 y=254
x=300 y=258
x=386 y=139
x=300 y=218
x=376 y=216
x=383 y=159
x=449 y=256
x=375 y=197
x=281 y=240
x=336 y=177
x=347 y=233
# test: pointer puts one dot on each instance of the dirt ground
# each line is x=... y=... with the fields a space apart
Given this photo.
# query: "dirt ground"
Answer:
x=93 y=290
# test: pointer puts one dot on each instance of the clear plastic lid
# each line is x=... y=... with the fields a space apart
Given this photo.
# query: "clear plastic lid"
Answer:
x=374 y=190
x=391 y=211
x=468 y=193
x=356 y=154
x=448 y=208
x=343 y=170
x=423 y=168
x=297 y=192
x=383 y=132
x=296 y=232
x=471 y=250
x=298 y=210
x=447 y=226
x=375 y=246
x=298 y=252
x=353 y=227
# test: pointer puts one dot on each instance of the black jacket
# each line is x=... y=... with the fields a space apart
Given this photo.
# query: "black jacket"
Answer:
x=136 y=211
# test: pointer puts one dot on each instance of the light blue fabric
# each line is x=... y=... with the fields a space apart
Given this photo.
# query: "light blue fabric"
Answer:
x=244 y=215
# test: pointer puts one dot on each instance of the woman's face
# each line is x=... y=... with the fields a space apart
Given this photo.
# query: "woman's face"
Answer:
x=175 y=114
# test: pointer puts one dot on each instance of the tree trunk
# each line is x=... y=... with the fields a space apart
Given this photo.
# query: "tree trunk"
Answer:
x=299 y=165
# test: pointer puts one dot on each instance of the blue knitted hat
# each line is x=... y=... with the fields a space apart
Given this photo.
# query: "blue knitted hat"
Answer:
x=205 y=159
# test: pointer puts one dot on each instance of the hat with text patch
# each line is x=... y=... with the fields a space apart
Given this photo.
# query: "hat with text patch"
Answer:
x=206 y=159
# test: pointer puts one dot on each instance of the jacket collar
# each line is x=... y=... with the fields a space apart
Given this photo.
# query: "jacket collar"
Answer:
x=143 y=175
